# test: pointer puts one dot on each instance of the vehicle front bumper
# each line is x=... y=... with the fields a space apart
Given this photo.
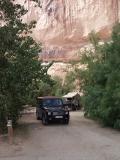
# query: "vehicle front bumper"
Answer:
x=59 y=117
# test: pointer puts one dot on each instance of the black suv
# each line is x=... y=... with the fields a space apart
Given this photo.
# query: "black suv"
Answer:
x=51 y=108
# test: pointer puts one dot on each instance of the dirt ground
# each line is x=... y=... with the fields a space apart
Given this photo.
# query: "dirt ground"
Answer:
x=82 y=139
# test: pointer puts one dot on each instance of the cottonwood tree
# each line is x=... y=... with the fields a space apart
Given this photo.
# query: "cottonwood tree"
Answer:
x=101 y=80
x=20 y=70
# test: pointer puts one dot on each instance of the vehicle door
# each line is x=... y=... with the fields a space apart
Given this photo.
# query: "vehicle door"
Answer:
x=39 y=108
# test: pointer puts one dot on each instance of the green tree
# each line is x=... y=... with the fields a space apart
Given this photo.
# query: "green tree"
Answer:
x=57 y=89
x=20 y=70
x=101 y=80
x=69 y=83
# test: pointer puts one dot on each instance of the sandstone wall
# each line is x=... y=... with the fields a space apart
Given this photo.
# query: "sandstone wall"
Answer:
x=63 y=25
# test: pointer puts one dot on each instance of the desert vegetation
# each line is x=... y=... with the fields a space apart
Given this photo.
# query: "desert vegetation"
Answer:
x=22 y=76
x=100 y=80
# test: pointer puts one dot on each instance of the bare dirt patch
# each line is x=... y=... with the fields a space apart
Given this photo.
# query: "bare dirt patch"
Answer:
x=82 y=139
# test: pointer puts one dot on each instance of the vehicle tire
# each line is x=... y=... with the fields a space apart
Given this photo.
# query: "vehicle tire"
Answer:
x=66 y=121
x=44 y=120
x=37 y=116
x=73 y=108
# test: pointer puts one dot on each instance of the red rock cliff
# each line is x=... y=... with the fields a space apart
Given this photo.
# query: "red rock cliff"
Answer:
x=63 y=25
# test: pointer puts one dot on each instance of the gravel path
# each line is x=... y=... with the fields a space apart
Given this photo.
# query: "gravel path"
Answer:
x=82 y=139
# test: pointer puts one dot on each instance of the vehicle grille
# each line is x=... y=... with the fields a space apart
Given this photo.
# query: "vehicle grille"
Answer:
x=58 y=113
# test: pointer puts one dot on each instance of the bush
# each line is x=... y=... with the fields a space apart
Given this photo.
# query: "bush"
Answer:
x=101 y=81
x=21 y=72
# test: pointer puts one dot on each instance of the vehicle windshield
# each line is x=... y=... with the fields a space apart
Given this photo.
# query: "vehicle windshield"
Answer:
x=52 y=102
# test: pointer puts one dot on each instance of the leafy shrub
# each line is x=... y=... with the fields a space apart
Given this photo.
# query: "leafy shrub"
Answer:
x=101 y=80
x=20 y=70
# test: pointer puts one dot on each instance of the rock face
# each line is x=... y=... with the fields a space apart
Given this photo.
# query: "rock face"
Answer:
x=59 y=69
x=63 y=25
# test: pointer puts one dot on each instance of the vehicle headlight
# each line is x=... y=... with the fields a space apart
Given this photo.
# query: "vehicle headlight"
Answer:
x=66 y=112
x=49 y=113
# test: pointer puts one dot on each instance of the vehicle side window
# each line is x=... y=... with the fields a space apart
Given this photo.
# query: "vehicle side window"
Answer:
x=39 y=102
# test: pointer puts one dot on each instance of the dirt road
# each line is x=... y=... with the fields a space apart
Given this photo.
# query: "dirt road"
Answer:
x=82 y=139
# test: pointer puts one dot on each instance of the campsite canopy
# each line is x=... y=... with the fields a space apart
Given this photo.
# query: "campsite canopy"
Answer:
x=71 y=95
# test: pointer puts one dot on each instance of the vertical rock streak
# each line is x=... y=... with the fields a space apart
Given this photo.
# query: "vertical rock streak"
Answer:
x=63 y=25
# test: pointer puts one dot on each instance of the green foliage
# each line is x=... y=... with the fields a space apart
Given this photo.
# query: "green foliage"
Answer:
x=62 y=87
x=101 y=80
x=69 y=84
x=20 y=71
x=94 y=39
x=57 y=89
